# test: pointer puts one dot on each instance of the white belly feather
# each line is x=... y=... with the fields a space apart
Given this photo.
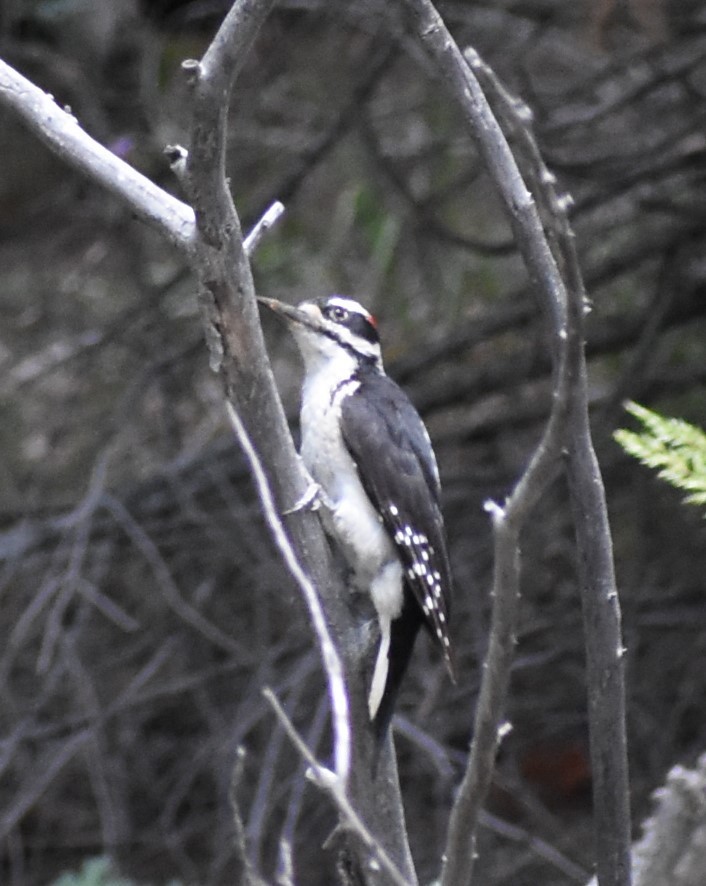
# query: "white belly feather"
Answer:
x=352 y=519
x=349 y=516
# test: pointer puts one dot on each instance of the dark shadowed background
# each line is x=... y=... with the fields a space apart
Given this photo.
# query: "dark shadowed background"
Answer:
x=142 y=605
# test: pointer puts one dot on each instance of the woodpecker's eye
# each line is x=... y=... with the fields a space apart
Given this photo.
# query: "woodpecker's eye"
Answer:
x=348 y=315
x=338 y=314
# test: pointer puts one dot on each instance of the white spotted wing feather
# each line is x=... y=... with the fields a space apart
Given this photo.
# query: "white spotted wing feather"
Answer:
x=390 y=447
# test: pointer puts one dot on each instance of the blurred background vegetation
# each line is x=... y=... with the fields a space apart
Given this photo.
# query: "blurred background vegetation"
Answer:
x=142 y=606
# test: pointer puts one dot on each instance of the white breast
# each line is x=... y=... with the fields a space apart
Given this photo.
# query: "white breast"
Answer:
x=352 y=519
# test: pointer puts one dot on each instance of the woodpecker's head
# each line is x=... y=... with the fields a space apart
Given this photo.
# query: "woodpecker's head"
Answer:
x=332 y=328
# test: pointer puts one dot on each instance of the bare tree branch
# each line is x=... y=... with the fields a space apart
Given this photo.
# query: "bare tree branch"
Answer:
x=568 y=425
x=46 y=771
x=332 y=786
x=269 y=218
x=237 y=350
x=60 y=131
x=248 y=875
x=331 y=660
x=599 y=595
x=165 y=580
x=285 y=867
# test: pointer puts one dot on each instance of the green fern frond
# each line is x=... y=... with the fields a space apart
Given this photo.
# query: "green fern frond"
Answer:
x=94 y=872
x=98 y=871
x=673 y=447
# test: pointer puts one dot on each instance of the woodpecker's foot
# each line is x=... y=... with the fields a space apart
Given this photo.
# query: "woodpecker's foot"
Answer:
x=312 y=499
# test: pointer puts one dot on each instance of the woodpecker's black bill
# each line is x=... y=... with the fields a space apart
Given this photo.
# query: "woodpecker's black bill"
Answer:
x=288 y=312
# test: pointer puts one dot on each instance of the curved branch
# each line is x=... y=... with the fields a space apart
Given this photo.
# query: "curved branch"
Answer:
x=237 y=350
x=332 y=662
x=211 y=81
x=556 y=278
x=599 y=595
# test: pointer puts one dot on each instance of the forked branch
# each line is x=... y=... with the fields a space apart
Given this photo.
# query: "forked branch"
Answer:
x=556 y=279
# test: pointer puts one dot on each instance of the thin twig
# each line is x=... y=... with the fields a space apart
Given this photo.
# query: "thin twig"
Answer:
x=44 y=773
x=541 y=848
x=488 y=728
x=332 y=785
x=249 y=875
x=165 y=581
x=260 y=816
x=101 y=769
x=329 y=655
x=314 y=734
x=269 y=218
x=285 y=865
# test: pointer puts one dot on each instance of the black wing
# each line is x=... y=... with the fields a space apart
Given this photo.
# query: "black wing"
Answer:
x=390 y=447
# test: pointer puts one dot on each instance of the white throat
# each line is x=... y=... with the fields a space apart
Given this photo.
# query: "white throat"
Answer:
x=322 y=355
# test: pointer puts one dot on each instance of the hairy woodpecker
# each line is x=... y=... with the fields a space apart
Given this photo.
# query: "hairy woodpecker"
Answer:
x=366 y=447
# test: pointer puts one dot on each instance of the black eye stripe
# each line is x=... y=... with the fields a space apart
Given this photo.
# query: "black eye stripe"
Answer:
x=361 y=326
x=356 y=322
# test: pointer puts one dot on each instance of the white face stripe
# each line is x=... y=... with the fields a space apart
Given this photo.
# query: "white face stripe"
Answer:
x=349 y=304
x=370 y=350
x=366 y=348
